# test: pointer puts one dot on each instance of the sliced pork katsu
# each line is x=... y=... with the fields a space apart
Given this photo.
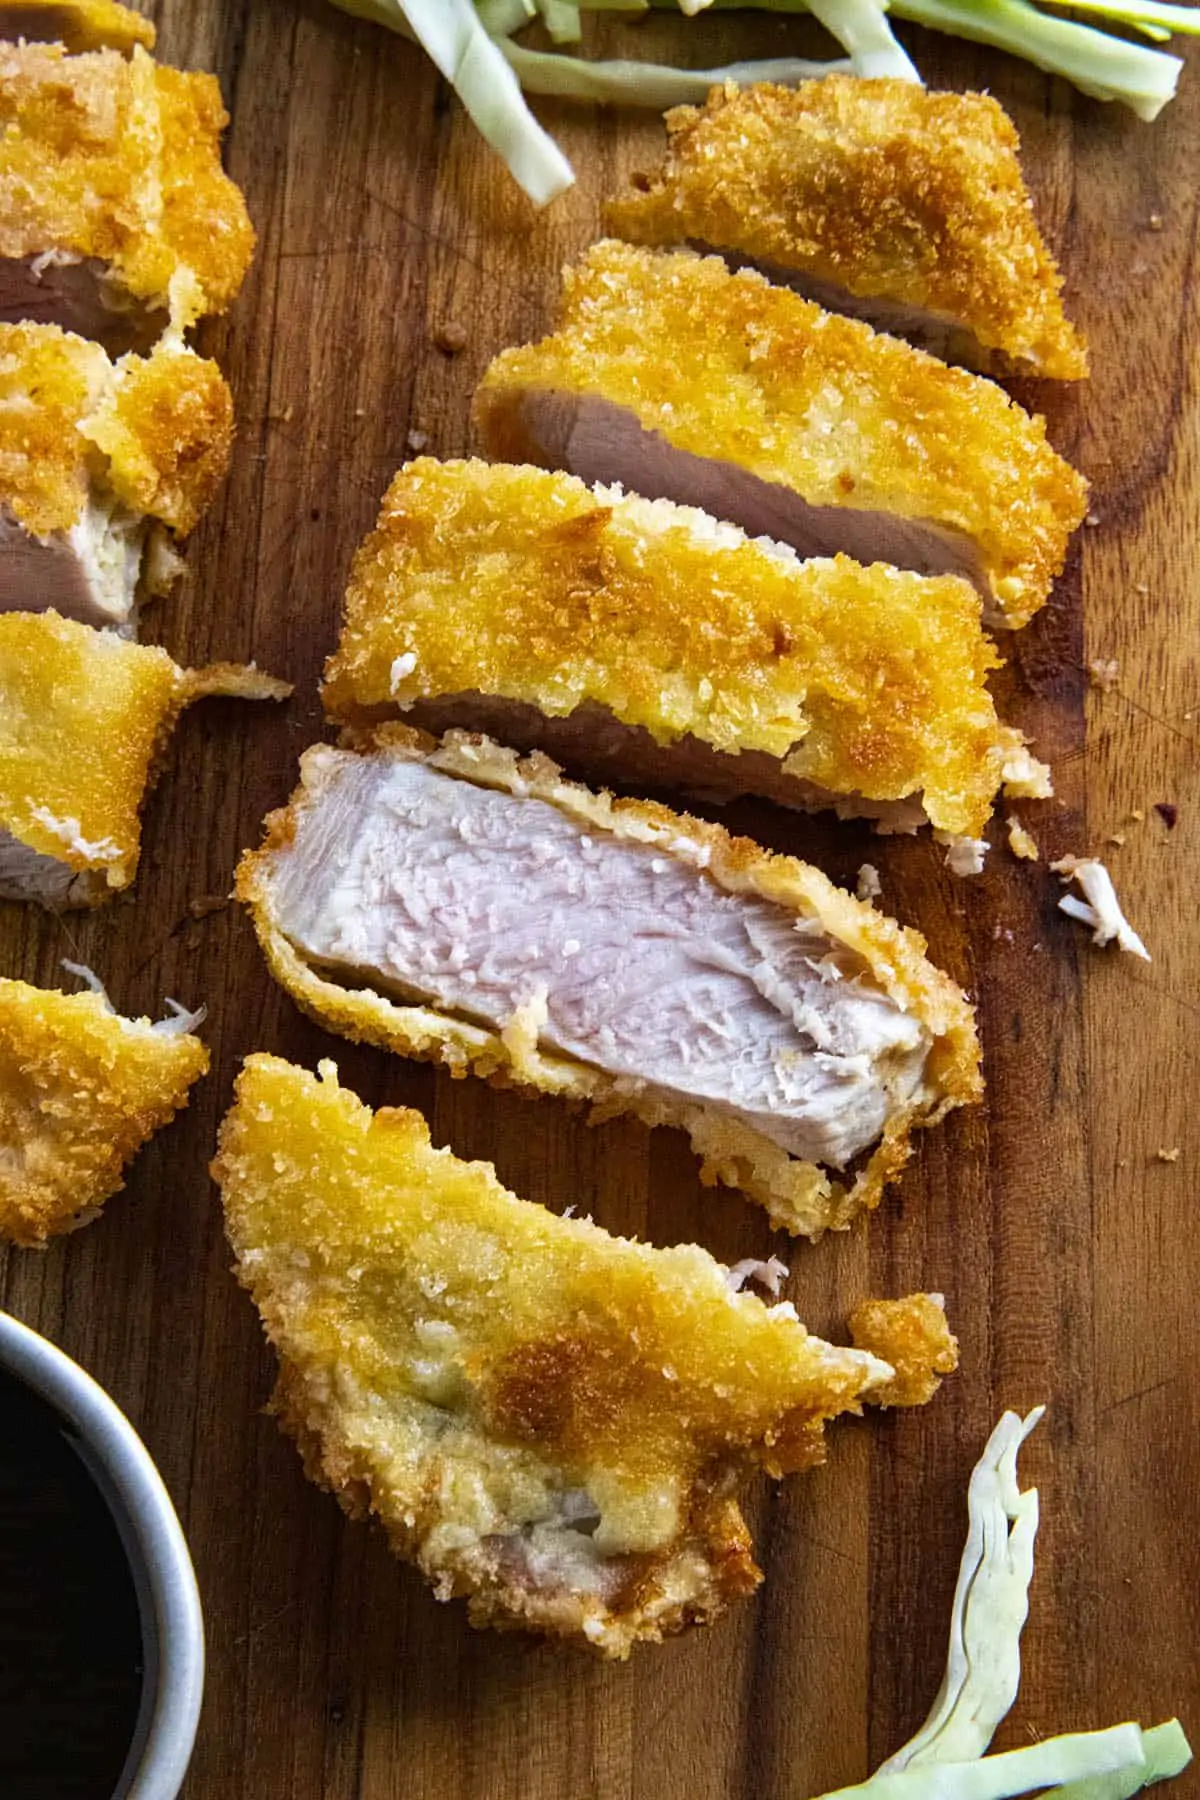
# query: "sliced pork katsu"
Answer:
x=687 y=382
x=547 y=1420
x=77 y=25
x=102 y=467
x=85 y=718
x=116 y=216
x=875 y=198
x=81 y=1090
x=457 y=903
x=643 y=642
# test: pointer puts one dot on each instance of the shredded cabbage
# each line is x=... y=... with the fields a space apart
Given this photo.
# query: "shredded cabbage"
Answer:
x=471 y=41
x=945 y=1760
x=991 y=1603
x=1167 y=1753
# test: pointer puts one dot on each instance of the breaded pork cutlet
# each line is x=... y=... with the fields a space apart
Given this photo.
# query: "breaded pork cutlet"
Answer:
x=84 y=722
x=115 y=213
x=640 y=641
x=875 y=198
x=547 y=1420
x=77 y=25
x=718 y=390
x=81 y=1090
x=102 y=466
x=463 y=905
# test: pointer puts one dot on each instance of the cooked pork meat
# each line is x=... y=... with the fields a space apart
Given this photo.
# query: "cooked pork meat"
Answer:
x=115 y=213
x=684 y=381
x=643 y=642
x=81 y=1090
x=875 y=198
x=97 y=461
x=76 y=24
x=547 y=1420
x=84 y=721
x=459 y=904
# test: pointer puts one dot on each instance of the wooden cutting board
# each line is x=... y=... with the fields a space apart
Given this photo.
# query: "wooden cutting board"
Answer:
x=1067 y=1248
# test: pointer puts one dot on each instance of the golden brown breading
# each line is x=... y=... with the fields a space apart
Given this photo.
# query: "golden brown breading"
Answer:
x=860 y=682
x=912 y=1335
x=164 y=423
x=84 y=720
x=876 y=187
x=730 y=370
x=545 y=1419
x=78 y=24
x=800 y=1196
x=118 y=161
x=81 y=1089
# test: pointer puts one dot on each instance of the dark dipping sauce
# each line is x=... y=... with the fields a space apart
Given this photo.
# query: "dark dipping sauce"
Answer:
x=70 y=1636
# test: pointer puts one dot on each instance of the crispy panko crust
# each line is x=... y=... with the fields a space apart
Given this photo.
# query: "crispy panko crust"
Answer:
x=483 y=1375
x=120 y=161
x=861 y=681
x=79 y=24
x=730 y=368
x=155 y=430
x=84 y=720
x=878 y=187
x=81 y=1089
x=912 y=1335
x=800 y=1197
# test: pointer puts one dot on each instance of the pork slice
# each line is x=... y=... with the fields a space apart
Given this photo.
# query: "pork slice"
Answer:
x=601 y=441
x=90 y=572
x=594 y=742
x=937 y=333
x=503 y=909
x=81 y=294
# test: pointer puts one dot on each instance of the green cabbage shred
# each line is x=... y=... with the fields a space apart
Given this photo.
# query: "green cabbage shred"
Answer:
x=945 y=1760
x=472 y=43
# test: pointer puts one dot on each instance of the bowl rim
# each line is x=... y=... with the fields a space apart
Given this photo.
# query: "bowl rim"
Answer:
x=160 y=1563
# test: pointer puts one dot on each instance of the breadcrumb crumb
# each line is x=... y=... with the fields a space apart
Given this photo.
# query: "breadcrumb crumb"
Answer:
x=1104 y=673
x=1021 y=842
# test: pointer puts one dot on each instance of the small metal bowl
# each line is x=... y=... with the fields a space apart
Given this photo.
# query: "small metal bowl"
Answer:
x=168 y=1601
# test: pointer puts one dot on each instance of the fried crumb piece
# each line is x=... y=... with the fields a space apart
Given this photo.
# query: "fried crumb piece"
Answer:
x=416 y=441
x=1116 y=837
x=868 y=886
x=1092 y=519
x=1103 y=673
x=450 y=338
x=205 y=904
x=1168 y=1156
x=1156 y=222
x=912 y=1335
x=1022 y=843
x=1137 y=815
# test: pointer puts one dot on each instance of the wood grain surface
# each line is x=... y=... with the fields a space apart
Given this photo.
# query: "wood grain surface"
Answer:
x=1066 y=1248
